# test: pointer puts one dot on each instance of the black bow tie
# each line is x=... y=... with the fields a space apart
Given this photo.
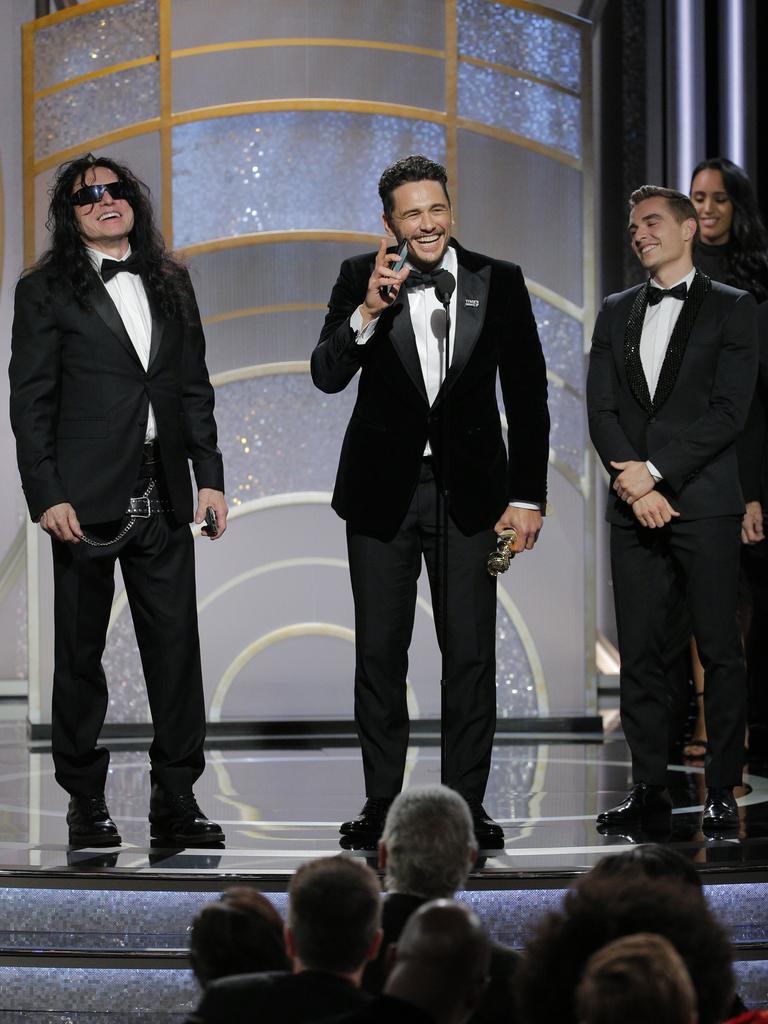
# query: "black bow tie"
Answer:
x=655 y=295
x=418 y=277
x=111 y=267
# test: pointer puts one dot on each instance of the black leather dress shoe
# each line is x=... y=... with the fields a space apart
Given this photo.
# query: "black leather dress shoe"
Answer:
x=369 y=824
x=489 y=834
x=177 y=819
x=721 y=813
x=89 y=822
x=643 y=803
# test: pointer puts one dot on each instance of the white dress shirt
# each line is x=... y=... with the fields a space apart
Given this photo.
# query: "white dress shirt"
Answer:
x=658 y=325
x=127 y=292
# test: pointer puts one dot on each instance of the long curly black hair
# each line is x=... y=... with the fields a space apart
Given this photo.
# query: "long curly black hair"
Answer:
x=67 y=263
x=747 y=258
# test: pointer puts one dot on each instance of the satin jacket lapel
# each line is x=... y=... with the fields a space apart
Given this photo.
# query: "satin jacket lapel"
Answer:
x=633 y=366
x=471 y=301
x=673 y=357
x=158 y=324
x=107 y=310
x=403 y=340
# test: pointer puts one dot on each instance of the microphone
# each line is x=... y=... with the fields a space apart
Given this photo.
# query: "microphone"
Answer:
x=445 y=283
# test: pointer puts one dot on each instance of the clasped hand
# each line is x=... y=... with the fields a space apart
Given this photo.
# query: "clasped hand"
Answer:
x=633 y=481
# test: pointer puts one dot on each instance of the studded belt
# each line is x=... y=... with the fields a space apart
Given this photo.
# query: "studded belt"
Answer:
x=143 y=506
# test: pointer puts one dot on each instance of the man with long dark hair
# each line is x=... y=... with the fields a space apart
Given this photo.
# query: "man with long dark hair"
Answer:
x=110 y=400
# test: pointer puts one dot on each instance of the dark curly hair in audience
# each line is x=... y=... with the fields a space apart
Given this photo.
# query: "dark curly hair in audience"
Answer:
x=66 y=260
x=598 y=910
x=410 y=168
x=239 y=934
x=649 y=860
x=747 y=255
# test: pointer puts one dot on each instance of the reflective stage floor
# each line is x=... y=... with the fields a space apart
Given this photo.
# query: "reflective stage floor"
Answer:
x=280 y=804
x=89 y=932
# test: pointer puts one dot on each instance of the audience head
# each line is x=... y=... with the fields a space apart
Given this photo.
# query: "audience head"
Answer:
x=238 y=934
x=635 y=980
x=600 y=909
x=729 y=214
x=428 y=845
x=651 y=861
x=441 y=962
x=334 y=907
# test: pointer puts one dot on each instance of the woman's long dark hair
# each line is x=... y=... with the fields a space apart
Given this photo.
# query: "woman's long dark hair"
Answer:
x=66 y=260
x=747 y=256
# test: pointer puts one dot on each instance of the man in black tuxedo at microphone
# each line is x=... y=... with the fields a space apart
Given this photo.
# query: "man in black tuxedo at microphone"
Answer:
x=671 y=376
x=390 y=325
x=110 y=400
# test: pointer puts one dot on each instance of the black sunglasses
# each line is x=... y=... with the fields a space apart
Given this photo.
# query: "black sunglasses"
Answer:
x=90 y=194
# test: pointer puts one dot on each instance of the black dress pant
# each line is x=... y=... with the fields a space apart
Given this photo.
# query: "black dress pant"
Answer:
x=647 y=566
x=157 y=562
x=384 y=576
x=754 y=567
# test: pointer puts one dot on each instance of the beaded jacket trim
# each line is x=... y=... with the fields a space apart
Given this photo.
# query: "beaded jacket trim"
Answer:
x=673 y=359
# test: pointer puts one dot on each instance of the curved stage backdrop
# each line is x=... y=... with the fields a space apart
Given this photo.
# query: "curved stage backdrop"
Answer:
x=262 y=130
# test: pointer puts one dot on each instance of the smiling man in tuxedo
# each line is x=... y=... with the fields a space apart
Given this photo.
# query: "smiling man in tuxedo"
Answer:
x=671 y=376
x=390 y=324
x=110 y=400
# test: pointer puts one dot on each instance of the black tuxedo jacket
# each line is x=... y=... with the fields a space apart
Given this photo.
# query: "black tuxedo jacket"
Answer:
x=392 y=418
x=277 y=997
x=689 y=429
x=80 y=401
x=498 y=1004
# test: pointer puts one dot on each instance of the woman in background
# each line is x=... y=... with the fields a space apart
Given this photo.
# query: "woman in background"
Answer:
x=733 y=248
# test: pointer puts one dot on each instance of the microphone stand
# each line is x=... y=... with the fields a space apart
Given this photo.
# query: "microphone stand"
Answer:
x=444 y=286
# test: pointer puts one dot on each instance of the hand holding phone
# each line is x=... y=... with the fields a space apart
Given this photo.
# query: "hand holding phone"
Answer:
x=210 y=527
x=402 y=255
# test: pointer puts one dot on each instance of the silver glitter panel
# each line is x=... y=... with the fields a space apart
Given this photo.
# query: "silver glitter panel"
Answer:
x=266 y=166
x=134 y=920
x=511 y=916
x=508 y=193
x=568 y=435
x=98 y=920
x=282 y=72
x=64 y=989
x=521 y=40
x=94 y=41
x=535 y=111
x=263 y=338
x=279 y=434
x=752 y=983
x=196 y=22
x=96 y=107
x=562 y=341
x=515 y=690
x=269 y=274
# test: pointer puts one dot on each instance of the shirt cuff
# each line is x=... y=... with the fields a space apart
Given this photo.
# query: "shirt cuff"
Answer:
x=654 y=472
x=362 y=334
x=525 y=504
